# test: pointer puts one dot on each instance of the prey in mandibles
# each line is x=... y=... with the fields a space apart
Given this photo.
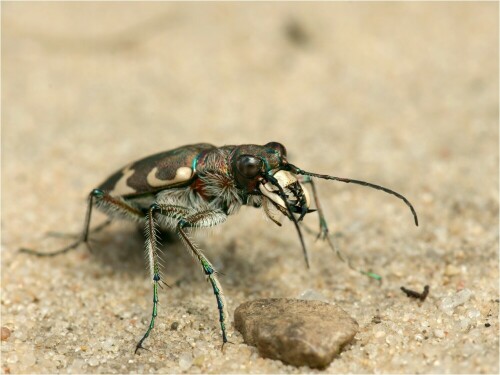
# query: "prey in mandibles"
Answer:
x=199 y=186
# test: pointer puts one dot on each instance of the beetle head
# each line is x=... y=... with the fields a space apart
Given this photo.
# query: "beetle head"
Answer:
x=261 y=170
x=264 y=171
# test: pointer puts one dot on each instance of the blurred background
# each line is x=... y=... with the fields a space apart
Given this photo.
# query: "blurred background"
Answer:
x=399 y=94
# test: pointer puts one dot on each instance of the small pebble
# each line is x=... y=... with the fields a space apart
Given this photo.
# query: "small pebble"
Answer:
x=76 y=367
x=185 y=361
x=464 y=324
x=107 y=344
x=473 y=313
x=27 y=357
x=5 y=333
x=93 y=361
x=448 y=304
x=391 y=340
x=12 y=358
x=379 y=334
x=451 y=270
x=439 y=333
x=297 y=332
x=199 y=360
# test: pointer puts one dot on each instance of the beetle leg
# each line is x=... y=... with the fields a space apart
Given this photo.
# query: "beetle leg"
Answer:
x=99 y=198
x=325 y=235
x=323 y=226
x=151 y=244
x=171 y=211
x=324 y=232
x=205 y=219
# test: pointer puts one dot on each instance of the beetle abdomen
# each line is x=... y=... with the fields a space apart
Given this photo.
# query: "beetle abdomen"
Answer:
x=172 y=168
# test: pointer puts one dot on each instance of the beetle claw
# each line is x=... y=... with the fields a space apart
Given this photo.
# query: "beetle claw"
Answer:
x=139 y=346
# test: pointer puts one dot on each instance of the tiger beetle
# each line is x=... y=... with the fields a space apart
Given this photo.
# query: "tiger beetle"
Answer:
x=199 y=186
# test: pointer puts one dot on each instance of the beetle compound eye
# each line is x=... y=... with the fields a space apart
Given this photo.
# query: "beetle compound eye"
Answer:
x=249 y=166
x=277 y=147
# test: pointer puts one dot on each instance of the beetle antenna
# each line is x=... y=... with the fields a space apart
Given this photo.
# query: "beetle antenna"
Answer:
x=359 y=182
x=282 y=194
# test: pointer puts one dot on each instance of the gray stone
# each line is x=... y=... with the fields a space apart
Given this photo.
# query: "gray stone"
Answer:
x=297 y=332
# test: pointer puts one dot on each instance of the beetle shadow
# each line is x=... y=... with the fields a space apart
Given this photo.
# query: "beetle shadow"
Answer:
x=123 y=247
x=237 y=271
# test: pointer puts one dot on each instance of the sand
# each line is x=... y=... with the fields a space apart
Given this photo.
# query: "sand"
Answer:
x=400 y=94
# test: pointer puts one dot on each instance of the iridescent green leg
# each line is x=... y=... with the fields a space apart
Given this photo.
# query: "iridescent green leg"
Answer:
x=152 y=253
x=207 y=218
x=153 y=315
x=154 y=268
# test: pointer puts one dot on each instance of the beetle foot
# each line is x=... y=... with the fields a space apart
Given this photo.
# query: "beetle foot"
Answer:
x=139 y=346
x=323 y=233
x=88 y=246
x=223 y=345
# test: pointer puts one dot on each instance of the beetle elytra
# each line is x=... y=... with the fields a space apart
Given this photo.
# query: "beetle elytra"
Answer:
x=199 y=186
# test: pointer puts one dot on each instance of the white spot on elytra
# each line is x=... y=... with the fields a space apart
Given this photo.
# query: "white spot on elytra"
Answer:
x=182 y=174
x=121 y=187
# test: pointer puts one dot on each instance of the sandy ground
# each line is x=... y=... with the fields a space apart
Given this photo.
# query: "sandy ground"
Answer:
x=404 y=95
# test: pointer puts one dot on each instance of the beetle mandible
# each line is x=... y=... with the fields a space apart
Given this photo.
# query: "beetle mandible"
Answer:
x=199 y=186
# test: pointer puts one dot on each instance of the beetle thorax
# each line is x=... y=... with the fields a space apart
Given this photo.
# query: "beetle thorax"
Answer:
x=221 y=192
x=216 y=184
